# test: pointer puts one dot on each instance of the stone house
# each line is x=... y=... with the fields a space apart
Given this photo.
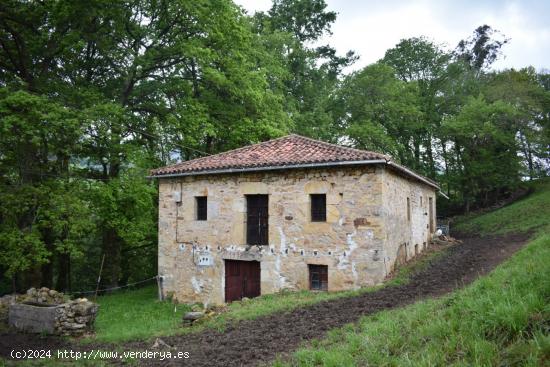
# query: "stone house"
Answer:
x=287 y=214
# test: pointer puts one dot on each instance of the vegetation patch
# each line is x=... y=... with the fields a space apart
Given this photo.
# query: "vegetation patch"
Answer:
x=500 y=320
x=137 y=314
x=531 y=213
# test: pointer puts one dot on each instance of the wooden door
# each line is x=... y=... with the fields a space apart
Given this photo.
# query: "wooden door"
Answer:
x=242 y=279
x=257 y=217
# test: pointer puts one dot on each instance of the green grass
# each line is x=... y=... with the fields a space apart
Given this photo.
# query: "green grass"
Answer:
x=500 y=320
x=529 y=214
x=137 y=314
x=419 y=263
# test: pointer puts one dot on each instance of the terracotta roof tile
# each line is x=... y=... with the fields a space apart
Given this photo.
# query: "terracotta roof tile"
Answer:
x=289 y=150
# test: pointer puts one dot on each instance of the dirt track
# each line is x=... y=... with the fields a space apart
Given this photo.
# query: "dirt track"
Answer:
x=258 y=341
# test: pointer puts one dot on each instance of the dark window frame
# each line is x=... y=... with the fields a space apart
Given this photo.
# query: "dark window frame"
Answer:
x=318 y=207
x=257 y=219
x=318 y=277
x=201 y=204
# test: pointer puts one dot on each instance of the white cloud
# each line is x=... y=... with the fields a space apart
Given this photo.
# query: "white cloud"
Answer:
x=371 y=27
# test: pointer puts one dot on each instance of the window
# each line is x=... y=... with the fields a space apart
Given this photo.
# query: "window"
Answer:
x=201 y=207
x=408 y=209
x=318 y=207
x=318 y=277
x=257 y=219
x=421 y=202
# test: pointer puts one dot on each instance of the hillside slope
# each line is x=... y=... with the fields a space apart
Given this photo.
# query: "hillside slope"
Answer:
x=531 y=213
x=502 y=319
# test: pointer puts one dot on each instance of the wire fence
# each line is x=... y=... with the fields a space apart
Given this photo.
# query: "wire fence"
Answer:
x=156 y=277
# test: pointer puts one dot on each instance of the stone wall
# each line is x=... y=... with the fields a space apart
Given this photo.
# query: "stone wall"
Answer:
x=351 y=242
x=75 y=317
x=404 y=237
x=44 y=310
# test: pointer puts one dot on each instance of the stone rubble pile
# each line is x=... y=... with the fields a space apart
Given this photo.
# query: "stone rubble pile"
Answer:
x=446 y=240
x=46 y=310
x=200 y=313
x=75 y=317
x=43 y=295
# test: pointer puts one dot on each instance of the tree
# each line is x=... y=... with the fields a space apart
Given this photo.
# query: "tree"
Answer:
x=484 y=140
x=38 y=136
x=312 y=73
x=134 y=79
x=306 y=20
x=425 y=63
x=381 y=112
x=523 y=90
x=482 y=48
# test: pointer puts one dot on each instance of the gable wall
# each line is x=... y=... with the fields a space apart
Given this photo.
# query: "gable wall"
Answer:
x=403 y=235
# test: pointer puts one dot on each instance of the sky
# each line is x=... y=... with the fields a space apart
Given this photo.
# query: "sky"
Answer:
x=370 y=27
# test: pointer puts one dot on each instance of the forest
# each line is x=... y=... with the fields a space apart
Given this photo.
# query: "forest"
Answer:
x=95 y=94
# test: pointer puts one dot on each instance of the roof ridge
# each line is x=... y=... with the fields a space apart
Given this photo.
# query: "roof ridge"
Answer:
x=332 y=145
x=338 y=152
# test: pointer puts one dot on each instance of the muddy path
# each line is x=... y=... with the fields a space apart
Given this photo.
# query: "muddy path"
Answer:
x=259 y=341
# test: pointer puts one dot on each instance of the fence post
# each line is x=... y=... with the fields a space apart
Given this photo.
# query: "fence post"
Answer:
x=99 y=277
x=159 y=286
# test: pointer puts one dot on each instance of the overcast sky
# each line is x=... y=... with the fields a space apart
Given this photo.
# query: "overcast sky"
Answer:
x=370 y=27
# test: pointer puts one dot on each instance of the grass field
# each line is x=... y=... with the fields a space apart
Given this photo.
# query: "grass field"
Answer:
x=137 y=314
x=500 y=320
x=529 y=214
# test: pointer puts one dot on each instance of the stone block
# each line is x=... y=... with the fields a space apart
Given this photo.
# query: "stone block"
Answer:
x=193 y=315
x=32 y=319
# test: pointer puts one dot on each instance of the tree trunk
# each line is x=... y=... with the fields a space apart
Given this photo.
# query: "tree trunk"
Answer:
x=446 y=162
x=47 y=268
x=429 y=153
x=47 y=274
x=64 y=273
x=111 y=242
x=416 y=154
x=111 y=250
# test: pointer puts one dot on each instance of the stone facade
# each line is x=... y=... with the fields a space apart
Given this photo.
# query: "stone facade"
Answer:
x=367 y=226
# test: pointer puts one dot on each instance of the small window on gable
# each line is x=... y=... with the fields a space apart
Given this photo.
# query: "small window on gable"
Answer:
x=408 y=209
x=421 y=202
x=201 y=204
x=318 y=207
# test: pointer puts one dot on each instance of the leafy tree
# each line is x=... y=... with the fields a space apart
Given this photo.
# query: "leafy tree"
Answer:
x=522 y=90
x=484 y=140
x=93 y=94
x=425 y=63
x=482 y=48
x=381 y=112
x=312 y=73
x=138 y=78
x=306 y=20
x=38 y=136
